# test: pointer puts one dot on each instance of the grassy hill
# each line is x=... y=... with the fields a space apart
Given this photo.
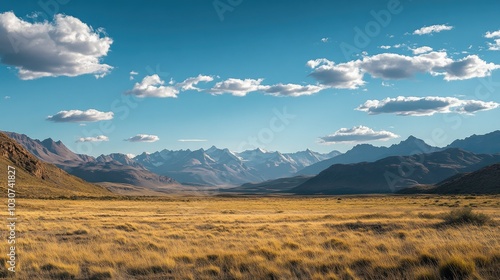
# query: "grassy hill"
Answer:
x=35 y=178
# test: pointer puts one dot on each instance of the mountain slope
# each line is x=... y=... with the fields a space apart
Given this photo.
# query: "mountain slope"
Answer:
x=34 y=178
x=49 y=151
x=271 y=186
x=483 y=181
x=369 y=153
x=480 y=144
x=115 y=172
x=394 y=173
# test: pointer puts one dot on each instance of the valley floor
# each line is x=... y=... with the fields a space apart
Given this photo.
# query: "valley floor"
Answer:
x=372 y=237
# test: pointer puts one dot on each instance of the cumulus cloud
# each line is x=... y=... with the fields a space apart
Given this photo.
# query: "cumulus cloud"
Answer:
x=64 y=47
x=357 y=134
x=469 y=67
x=143 y=138
x=190 y=83
x=493 y=35
x=432 y=29
x=421 y=50
x=90 y=115
x=153 y=86
x=424 y=106
x=472 y=106
x=236 y=87
x=291 y=89
x=324 y=40
x=344 y=75
x=494 y=46
x=391 y=66
x=100 y=138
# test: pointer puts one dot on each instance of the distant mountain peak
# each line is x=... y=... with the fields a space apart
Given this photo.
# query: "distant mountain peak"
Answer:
x=212 y=149
x=260 y=151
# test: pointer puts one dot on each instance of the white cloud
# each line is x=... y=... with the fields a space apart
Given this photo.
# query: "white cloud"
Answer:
x=396 y=46
x=424 y=106
x=190 y=83
x=6 y=97
x=100 y=138
x=421 y=50
x=153 y=86
x=344 y=75
x=64 y=47
x=192 y=140
x=467 y=68
x=132 y=74
x=291 y=90
x=357 y=134
x=324 y=40
x=494 y=34
x=90 y=115
x=391 y=66
x=494 y=46
x=236 y=87
x=472 y=106
x=143 y=138
x=432 y=29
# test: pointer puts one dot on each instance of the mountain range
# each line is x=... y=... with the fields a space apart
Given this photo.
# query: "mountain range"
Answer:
x=480 y=144
x=363 y=169
x=221 y=167
x=394 y=173
x=211 y=167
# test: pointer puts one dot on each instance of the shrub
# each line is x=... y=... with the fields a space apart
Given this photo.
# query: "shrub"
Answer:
x=428 y=259
x=333 y=244
x=456 y=268
x=465 y=216
x=426 y=274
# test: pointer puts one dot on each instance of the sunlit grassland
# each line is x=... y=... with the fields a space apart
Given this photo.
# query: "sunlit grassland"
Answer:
x=377 y=237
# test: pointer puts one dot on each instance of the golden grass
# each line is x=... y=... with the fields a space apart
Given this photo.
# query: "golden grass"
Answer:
x=377 y=237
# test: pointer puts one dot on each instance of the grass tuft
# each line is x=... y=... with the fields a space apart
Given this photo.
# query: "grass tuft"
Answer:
x=456 y=269
x=464 y=216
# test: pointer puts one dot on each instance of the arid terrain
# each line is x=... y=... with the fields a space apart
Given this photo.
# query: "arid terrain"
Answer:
x=342 y=237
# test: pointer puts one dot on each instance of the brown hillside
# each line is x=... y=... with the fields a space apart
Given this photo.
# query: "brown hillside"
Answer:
x=35 y=178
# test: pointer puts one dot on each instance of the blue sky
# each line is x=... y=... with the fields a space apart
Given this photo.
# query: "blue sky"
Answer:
x=446 y=91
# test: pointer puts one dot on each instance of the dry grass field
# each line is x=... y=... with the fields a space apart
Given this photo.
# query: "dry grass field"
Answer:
x=373 y=237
